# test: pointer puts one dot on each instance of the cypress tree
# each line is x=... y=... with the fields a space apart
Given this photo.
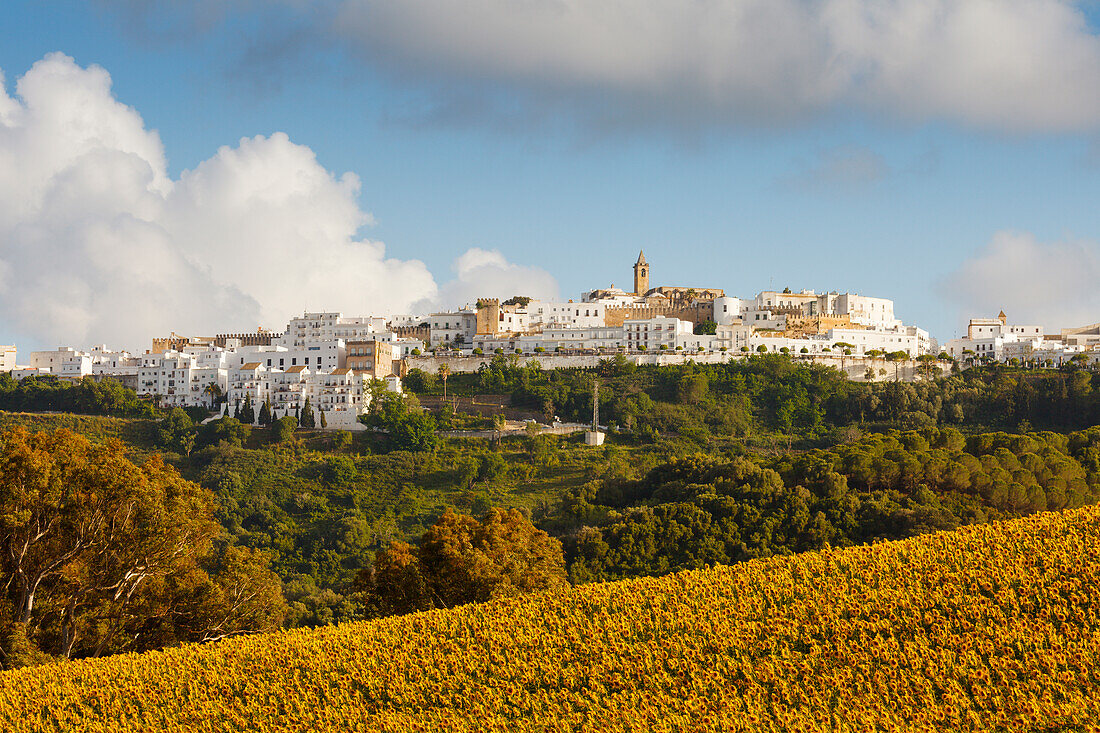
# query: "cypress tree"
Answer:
x=248 y=413
x=324 y=422
x=237 y=410
x=307 y=420
x=265 y=413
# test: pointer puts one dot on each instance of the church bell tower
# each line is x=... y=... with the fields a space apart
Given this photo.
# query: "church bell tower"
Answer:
x=641 y=275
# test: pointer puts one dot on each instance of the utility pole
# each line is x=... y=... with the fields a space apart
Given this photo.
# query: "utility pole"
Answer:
x=594 y=437
x=596 y=406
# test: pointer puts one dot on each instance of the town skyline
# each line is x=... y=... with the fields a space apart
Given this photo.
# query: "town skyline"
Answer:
x=438 y=179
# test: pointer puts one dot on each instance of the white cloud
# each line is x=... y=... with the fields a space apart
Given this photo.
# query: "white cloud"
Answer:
x=1018 y=65
x=1052 y=284
x=486 y=273
x=98 y=244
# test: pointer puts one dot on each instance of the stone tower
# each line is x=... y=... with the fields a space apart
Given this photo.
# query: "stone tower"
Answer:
x=641 y=275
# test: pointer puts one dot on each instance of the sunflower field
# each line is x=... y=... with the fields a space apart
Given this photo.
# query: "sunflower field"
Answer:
x=991 y=627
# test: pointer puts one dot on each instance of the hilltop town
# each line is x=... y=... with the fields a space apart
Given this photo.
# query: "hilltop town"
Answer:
x=328 y=358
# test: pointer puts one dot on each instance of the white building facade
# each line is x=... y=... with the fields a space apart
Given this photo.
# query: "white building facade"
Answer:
x=454 y=327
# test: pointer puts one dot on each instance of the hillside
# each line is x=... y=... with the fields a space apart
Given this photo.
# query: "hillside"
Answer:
x=989 y=627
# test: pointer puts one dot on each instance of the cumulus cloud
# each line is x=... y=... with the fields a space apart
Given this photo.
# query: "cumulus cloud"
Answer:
x=98 y=243
x=1052 y=284
x=1018 y=65
x=487 y=273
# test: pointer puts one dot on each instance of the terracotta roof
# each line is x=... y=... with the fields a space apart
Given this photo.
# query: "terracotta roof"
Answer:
x=295 y=370
x=341 y=371
x=250 y=365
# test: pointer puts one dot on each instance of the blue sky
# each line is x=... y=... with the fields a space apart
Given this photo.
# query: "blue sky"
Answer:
x=950 y=198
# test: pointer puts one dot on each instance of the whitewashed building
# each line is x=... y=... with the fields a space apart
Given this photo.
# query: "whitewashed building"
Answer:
x=313 y=328
x=453 y=327
x=653 y=333
x=546 y=314
x=910 y=339
x=341 y=394
x=732 y=337
x=7 y=358
x=727 y=310
x=996 y=339
x=317 y=355
x=178 y=379
x=64 y=361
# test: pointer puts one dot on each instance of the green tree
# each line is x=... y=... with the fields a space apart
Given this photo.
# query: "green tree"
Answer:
x=213 y=392
x=462 y=559
x=307 y=420
x=177 y=431
x=897 y=357
x=341 y=439
x=100 y=555
x=395 y=584
x=283 y=429
x=444 y=372
x=225 y=429
x=265 y=414
x=705 y=327
x=248 y=413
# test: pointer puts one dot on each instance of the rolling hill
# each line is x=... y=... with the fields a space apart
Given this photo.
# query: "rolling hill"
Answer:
x=991 y=627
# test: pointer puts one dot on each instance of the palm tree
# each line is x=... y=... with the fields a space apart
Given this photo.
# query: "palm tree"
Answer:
x=214 y=392
x=444 y=372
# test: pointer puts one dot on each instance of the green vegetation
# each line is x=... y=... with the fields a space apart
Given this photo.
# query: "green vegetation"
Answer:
x=760 y=397
x=99 y=555
x=87 y=397
x=462 y=559
x=706 y=464
x=700 y=510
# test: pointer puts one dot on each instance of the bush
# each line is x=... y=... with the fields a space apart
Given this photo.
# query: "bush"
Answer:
x=283 y=429
x=227 y=429
x=464 y=560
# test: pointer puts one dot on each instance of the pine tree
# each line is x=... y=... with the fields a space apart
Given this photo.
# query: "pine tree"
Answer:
x=307 y=420
x=265 y=414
